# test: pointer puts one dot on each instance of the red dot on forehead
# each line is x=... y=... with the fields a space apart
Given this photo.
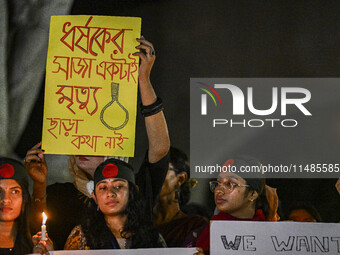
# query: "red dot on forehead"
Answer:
x=110 y=171
x=6 y=170
x=229 y=162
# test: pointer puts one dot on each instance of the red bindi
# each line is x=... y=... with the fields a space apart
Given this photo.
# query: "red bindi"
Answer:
x=6 y=170
x=110 y=171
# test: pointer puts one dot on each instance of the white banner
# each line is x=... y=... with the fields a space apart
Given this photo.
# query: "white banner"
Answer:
x=284 y=238
x=153 y=251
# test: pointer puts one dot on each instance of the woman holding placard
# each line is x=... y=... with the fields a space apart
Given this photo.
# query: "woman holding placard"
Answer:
x=66 y=202
x=237 y=198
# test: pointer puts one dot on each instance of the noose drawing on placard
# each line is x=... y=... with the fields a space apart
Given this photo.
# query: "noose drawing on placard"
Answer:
x=114 y=103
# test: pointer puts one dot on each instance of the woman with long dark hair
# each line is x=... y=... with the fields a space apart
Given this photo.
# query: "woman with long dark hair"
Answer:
x=116 y=218
x=15 y=201
x=64 y=216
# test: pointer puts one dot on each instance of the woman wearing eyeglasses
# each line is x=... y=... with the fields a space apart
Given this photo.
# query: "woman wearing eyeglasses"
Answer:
x=237 y=198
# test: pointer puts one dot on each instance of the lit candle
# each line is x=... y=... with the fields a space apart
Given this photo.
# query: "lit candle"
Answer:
x=43 y=227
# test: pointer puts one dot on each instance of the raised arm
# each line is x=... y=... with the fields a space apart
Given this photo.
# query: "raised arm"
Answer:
x=156 y=128
x=37 y=169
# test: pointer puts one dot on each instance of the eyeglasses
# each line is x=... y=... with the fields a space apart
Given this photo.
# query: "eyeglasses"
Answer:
x=226 y=187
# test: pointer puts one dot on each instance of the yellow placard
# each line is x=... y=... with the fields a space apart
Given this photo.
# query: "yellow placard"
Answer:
x=91 y=86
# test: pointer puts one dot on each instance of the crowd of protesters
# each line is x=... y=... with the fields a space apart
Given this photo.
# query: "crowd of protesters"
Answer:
x=108 y=206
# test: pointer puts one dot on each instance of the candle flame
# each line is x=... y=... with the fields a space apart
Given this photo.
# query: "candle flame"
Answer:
x=44 y=218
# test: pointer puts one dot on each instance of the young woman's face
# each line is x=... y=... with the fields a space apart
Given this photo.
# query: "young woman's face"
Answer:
x=10 y=200
x=236 y=202
x=88 y=163
x=112 y=196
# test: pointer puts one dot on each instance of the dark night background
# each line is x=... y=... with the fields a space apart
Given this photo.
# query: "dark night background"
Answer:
x=227 y=39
